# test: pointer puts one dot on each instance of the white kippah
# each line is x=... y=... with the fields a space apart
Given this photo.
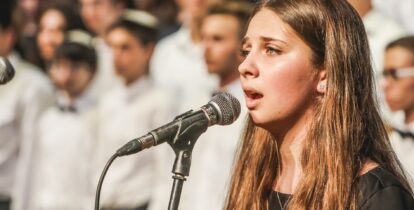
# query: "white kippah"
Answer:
x=80 y=37
x=141 y=18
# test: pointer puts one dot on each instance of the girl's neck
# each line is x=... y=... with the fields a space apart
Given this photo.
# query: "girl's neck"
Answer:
x=193 y=23
x=195 y=30
x=290 y=169
x=290 y=152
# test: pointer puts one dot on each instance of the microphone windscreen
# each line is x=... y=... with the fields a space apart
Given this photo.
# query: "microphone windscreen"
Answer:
x=228 y=108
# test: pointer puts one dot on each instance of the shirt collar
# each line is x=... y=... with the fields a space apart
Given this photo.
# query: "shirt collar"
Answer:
x=14 y=59
x=81 y=104
x=185 y=43
x=372 y=21
x=137 y=88
x=410 y=127
x=233 y=86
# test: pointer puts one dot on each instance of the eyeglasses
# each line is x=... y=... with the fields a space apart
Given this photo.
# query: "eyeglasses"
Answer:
x=398 y=73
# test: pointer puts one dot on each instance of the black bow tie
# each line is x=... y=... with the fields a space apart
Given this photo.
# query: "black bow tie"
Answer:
x=404 y=134
x=70 y=109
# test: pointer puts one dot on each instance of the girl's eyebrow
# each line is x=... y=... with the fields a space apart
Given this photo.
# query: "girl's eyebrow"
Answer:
x=265 y=39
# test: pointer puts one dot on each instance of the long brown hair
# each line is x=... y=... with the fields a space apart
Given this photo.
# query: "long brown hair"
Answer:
x=347 y=128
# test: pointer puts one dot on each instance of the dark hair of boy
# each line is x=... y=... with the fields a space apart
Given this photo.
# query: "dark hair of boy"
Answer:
x=405 y=42
x=239 y=9
x=127 y=4
x=6 y=13
x=76 y=52
x=144 y=34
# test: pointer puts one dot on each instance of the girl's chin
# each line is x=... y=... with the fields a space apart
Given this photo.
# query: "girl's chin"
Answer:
x=257 y=120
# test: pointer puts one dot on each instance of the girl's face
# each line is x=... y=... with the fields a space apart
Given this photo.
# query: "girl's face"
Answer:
x=277 y=74
x=51 y=33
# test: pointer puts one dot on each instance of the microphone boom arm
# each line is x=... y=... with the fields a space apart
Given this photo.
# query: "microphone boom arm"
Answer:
x=163 y=133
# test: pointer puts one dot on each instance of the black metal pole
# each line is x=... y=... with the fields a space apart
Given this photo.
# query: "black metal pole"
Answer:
x=176 y=192
x=183 y=147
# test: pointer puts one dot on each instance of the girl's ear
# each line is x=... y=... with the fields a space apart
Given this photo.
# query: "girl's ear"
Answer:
x=322 y=82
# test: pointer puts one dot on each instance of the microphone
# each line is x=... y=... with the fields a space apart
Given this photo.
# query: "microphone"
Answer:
x=6 y=71
x=222 y=109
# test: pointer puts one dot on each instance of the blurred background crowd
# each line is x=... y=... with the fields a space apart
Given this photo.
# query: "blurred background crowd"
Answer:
x=93 y=74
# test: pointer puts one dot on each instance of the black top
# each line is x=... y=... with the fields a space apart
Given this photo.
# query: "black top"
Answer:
x=380 y=190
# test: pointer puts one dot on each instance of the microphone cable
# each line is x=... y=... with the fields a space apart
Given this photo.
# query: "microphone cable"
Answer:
x=101 y=179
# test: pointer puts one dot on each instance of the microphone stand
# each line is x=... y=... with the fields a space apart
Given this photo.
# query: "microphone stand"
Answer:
x=183 y=147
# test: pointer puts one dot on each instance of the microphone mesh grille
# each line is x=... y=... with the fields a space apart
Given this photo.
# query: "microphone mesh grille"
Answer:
x=6 y=71
x=229 y=108
x=3 y=73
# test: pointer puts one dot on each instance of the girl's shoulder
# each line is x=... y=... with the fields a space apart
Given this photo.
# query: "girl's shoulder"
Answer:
x=380 y=189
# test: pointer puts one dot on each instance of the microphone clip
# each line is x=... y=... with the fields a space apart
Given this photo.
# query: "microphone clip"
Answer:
x=183 y=145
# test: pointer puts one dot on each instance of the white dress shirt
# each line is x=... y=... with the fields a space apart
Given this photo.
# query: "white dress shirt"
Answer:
x=178 y=64
x=401 y=11
x=22 y=100
x=212 y=164
x=404 y=149
x=105 y=78
x=63 y=155
x=124 y=114
x=381 y=30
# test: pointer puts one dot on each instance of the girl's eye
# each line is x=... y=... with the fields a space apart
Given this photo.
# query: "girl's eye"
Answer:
x=244 y=53
x=272 y=51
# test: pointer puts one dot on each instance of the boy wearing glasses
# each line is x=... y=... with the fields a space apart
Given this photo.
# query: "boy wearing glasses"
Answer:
x=398 y=87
